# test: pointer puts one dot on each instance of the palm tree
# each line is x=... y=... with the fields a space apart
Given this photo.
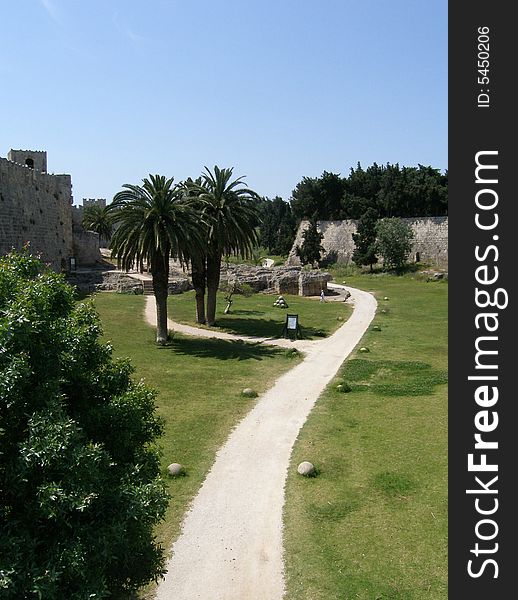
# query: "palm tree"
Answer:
x=156 y=221
x=198 y=257
x=231 y=216
x=99 y=219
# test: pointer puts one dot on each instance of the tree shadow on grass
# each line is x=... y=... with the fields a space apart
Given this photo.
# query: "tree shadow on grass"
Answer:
x=262 y=327
x=246 y=312
x=220 y=349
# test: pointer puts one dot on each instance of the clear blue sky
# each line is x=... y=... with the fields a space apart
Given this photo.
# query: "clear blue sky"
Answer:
x=117 y=89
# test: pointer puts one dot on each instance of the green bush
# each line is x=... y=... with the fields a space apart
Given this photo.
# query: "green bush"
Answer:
x=80 y=491
x=394 y=242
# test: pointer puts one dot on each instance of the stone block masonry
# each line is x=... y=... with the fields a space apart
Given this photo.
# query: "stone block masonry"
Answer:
x=278 y=280
x=36 y=207
x=430 y=243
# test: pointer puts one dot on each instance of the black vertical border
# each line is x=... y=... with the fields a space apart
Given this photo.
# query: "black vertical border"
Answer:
x=473 y=129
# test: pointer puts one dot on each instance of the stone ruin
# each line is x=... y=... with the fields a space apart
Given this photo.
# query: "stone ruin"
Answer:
x=277 y=280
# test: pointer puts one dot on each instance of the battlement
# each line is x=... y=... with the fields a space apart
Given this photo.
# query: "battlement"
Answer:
x=37 y=206
x=94 y=202
x=33 y=159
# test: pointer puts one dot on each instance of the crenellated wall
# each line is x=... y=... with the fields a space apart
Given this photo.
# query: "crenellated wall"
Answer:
x=430 y=240
x=36 y=207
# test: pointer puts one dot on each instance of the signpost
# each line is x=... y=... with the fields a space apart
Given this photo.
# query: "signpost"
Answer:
x=292 y=327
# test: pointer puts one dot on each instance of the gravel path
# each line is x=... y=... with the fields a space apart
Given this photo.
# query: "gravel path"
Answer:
x=230 y=547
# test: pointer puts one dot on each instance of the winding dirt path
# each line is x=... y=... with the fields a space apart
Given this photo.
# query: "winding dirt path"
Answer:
x=230 y=547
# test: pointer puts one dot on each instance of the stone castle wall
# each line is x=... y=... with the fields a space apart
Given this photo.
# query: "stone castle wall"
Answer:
x=35 y=207
x=430 y=240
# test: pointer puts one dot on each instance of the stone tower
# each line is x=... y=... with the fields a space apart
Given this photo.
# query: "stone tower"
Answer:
x=34 y=159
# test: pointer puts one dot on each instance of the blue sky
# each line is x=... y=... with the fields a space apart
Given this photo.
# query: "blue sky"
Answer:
x=117 y=89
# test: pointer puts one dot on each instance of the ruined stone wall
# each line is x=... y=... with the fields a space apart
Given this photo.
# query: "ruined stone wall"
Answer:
x=35 y=207
x=430 y=240
x=280 y=280
x=85 y=246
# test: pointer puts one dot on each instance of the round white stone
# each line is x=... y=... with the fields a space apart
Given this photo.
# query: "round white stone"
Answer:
x=175 y=469
x=306 y=468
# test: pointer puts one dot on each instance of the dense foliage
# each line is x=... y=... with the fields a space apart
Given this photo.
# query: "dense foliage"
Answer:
x=393 y=242
x=80 y=490
x=277 y=226
x=391 y=190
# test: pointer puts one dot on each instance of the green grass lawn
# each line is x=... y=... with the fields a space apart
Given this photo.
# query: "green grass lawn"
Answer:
x=256 y=315
x=373 y=523
x=199 y=383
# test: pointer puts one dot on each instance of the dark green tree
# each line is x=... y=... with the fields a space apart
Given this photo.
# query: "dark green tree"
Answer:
x=394 y=242
x=392 y=190
x=80 y=491
x=310 y=251
x=319 y=198
x=277 y=226
x=156 y=221
x=365 y=239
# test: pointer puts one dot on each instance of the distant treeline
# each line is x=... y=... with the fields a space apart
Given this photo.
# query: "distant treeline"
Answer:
x=391 y=190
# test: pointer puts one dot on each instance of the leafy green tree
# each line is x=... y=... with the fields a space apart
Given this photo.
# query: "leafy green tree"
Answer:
x=310 y=251
x=80 y=491
x=198 y=255
x=156 y=221
x=365 y=239
x=231 y=214
x=392 y=190
x=394 y=242
x=318 y=198
x=100 y=220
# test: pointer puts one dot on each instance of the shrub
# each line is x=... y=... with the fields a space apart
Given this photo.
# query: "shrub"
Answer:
x=80 y=490
x=394 y=242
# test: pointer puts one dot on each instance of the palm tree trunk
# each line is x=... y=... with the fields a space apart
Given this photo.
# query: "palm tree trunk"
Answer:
x=213 y=276
x=160 y=274
x=199 y=281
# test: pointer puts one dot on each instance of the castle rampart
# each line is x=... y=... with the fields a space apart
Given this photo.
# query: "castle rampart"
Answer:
x=430 y=242
x=37 y=207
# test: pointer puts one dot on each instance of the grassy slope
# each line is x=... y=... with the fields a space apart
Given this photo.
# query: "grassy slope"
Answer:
x=257 y=316
x=373 y=524
x=199 y=384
